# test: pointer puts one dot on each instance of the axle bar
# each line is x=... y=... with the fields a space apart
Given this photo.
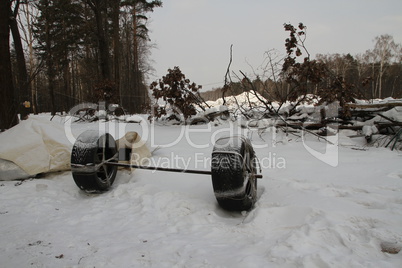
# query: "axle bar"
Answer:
x=202 y=172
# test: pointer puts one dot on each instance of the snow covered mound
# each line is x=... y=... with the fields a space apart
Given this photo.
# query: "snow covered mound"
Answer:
x=242 y=99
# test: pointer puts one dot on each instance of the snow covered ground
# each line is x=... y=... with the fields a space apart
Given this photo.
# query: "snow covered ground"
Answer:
x=309 y=212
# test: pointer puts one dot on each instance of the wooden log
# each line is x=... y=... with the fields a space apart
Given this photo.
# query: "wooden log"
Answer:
x=389 y=105
x=315 y=126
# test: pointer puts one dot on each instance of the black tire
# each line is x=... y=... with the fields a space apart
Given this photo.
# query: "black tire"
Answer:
x=89 y=151
x=233 y=167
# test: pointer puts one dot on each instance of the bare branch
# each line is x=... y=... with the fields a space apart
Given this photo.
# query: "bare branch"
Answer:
x=227 y=77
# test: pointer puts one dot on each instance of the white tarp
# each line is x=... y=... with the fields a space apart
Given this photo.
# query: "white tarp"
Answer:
x=36 y=145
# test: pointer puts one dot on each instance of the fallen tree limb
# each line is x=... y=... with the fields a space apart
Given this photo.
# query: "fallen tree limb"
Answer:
x=389 y=105
x=389 y=119
x=315 y=126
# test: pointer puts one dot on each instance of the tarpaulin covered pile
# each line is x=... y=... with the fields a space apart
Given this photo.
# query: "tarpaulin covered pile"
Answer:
x=34 y=146
x=38 y=145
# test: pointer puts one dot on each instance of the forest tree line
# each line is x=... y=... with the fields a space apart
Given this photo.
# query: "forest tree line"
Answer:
x=58 y=53
x=65 y=52
x=377 y=73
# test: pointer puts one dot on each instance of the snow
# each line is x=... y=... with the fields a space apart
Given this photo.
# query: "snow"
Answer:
x=378 y=101
x=242 y=99
x=369 y=130
x=308 y=213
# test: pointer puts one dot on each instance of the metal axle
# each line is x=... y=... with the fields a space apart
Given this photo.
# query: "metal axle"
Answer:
x=202 y=172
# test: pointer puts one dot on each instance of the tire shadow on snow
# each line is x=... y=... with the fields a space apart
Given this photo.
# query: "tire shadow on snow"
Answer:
x=244 y=216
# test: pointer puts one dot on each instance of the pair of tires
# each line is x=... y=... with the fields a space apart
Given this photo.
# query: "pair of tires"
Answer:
x=233 y=168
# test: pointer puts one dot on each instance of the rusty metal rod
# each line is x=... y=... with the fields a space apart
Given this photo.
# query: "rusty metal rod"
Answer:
x=202 y=172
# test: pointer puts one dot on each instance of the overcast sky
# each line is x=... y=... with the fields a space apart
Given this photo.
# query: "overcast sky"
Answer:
x=196 y=34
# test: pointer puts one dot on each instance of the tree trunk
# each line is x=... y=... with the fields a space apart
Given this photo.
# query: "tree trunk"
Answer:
x=50 y=69
x=68 y=103
x=373 y=84
x=380 y=78
x=98 y=8
x=116 y=45
x=23 y=84
x=51 y=76
x=126 y=77
x=8 y=109
x=29 y=39
x=138 y=97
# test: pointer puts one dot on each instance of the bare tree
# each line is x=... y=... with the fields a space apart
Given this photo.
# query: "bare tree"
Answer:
x=28 y=14
x=384 y=51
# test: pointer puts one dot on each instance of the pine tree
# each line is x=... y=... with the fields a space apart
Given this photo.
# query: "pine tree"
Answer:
x=139 y=8
x=58 y=33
